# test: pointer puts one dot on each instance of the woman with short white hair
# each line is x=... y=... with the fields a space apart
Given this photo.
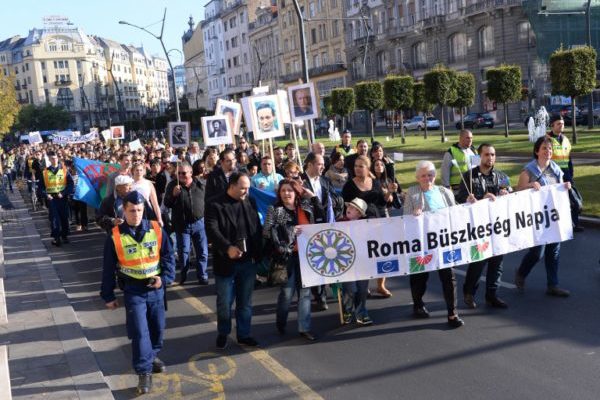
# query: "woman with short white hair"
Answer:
x=427 y=196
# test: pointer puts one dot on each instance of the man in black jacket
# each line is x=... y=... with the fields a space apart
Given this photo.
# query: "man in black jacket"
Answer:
x=327 y=206
x=185 y=197
x=111 y=212
x=484 y=182
x=216 y=183
x=233 y=228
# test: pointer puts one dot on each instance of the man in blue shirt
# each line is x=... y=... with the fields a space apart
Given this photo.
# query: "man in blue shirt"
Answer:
x=266 y=179
x=139 y=254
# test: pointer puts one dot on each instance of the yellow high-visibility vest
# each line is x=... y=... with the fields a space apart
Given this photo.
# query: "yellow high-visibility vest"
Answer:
x=55 y=183
x=138 y=260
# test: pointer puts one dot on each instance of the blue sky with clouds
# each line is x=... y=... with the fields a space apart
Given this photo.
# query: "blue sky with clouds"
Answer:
x=102 y=18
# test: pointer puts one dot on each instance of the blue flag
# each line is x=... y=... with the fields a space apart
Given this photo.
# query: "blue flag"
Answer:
x=91 y=183
x=263 y=201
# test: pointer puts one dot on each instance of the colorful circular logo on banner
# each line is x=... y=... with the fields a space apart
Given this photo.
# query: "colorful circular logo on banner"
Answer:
x=330 y=253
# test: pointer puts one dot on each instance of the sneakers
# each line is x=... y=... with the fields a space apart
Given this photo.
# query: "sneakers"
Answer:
x=222 y=342
x=364 y=321
x=247 y=341
x=470 y=301
x=519 y=281
x=455 y=322
x=557 y=292
x=347 y=318
x=158 y=366
x=144 y=383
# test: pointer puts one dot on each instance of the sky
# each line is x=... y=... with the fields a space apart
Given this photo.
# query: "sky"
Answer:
x=102 y=18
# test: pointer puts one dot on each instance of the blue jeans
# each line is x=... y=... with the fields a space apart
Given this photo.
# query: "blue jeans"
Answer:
x=294 y=285
x=145 y=325
x=551 y=255
x=355 y=298
x=239 y=284
x=196 y=235
x=492 y=278
x=59 y=217
x=8 y=180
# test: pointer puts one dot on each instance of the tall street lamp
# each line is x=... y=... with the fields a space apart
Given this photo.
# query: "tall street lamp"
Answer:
x=160 y=39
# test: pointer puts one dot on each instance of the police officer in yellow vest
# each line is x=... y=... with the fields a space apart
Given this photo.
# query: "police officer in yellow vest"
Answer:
x=140 y=255
x=462 y=153
x=561 y=154
x=345 y=148
x=56 y=186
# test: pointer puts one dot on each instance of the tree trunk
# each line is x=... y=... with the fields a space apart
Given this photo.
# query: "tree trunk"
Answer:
x=343 y=123
x=505 y=120
x=402 y=127
x=393 y=124
x=425 y=127
x=443 y=126
x=573 y=123
x=462 y=118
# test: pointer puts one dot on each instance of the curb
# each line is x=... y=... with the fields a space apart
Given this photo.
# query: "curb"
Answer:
x=88 y=379
x=5 y=389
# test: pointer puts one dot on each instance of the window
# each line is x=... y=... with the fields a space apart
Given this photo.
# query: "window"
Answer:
x=485 y=38
x=61 y=64
x=52 y=47
x=312 y=10
x=399 y=59
x=44 y=79
x=525 y=34
x=338 y=55
x=66 y=64
x=26 y=66
x=313 y=36
x=382 y=63
x=457 y=46
x=419 y=55
x=29 y=80
x=234 y=42
x=335 y=29
x=324 y=59
x=64 y=47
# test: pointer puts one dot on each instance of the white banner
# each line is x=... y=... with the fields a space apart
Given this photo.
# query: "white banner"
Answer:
x=367 y=249
x=60 y=139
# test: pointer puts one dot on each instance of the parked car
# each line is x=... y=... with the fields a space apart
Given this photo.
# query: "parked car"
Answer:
x=476 y=120
x=417 y=123
x=584 y=113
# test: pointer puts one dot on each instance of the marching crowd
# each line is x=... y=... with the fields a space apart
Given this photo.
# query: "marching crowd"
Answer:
x=160 y=202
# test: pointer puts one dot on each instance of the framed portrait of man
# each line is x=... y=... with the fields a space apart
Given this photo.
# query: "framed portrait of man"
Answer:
x=117 y=132
x=216 y=130
x=233 y=112
x=179 y=134
x=303 y=102
x=266 y=116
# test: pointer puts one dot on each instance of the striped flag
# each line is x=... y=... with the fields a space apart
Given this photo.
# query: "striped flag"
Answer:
x=91 y=183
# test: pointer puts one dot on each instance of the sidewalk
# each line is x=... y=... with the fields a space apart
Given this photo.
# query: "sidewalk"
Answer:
x=49 y=356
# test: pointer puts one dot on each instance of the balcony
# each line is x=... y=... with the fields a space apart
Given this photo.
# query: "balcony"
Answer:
x=24 y=86
x=487 y=5
x=433 y=21
x=63 y=82
x=361 y=41
x=314 y=72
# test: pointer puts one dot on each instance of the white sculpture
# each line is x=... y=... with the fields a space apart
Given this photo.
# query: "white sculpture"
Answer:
x=334 y=134
x=538 y=125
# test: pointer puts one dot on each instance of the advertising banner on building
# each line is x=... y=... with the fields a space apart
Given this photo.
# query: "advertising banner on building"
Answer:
x=376 y=248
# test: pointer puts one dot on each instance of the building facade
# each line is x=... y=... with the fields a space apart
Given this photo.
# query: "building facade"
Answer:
x=325 y=44
x=195 y=67
x=97 y=80
x=212 y=29
x=265 y=50
x=412 y=36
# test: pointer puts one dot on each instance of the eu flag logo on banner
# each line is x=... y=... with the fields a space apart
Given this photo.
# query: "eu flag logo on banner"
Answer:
x=452 y=256
x=385 y=267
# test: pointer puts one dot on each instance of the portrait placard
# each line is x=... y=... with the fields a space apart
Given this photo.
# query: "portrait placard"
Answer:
x=179 y=134
x=216 y=130
x=303 y=102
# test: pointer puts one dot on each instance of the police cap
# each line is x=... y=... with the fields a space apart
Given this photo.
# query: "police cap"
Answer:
x=554 y=118
x=134 y=197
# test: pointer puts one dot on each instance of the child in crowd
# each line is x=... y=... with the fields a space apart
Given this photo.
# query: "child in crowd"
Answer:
x=354 y=294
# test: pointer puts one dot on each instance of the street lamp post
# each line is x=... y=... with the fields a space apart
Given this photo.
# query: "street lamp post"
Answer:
x=588 y=24
x=160 y=39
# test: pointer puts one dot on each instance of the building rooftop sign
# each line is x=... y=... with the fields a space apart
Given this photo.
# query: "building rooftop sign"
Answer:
x=56 y=21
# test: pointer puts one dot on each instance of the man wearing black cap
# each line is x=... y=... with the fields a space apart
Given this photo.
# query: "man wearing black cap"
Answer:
x=561 y=154
x=56 y=186
x=139 y=253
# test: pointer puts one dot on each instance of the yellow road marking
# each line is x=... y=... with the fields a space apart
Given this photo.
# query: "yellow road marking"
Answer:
x=286 y=376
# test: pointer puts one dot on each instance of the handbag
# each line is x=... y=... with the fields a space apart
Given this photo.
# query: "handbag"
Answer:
x=278 y=274
x=575 y=199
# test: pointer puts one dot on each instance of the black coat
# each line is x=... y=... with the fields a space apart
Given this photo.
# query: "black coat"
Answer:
x=222 y=231
x=216 y=184
x=320 y=205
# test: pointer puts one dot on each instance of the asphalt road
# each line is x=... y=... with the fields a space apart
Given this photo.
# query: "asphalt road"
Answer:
x=540 y=348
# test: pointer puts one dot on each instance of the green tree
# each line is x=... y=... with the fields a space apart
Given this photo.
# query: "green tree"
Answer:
x=573 y=73
x=465 y=90
x=398 y=93
x=327 y=106
x=343 y=103
x=440 y=88
x=420 y=102
x=44 y=117
x=9 y=107
x=504 y=86
x=369 y=96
